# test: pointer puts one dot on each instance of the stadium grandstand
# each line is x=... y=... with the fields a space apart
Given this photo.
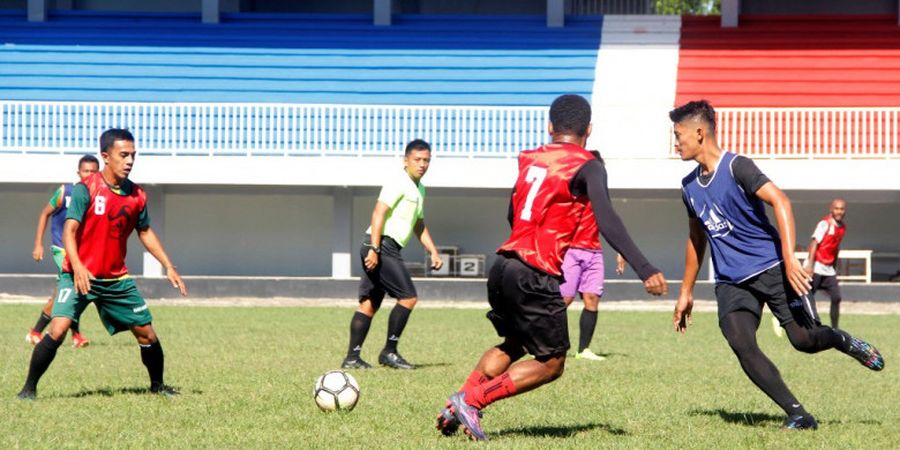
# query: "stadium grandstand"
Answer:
x=263 y=126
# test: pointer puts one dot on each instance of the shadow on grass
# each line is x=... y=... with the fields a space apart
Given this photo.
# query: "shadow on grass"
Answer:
x=559 y=432
x=749 y=419
x=106 y=392
x=430 y=365
x=760 y=419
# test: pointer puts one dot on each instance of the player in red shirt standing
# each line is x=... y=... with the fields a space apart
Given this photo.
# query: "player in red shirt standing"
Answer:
x=823 y=252
x=105 y=208
x=523 y=285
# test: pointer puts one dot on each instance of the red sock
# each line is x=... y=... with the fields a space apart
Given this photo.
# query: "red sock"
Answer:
x=490 y=391
x=475 y=378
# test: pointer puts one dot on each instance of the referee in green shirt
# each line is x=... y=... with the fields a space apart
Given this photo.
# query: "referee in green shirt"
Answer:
x=398 y=214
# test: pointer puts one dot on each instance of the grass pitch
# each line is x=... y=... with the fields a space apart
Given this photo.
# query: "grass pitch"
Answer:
x=246 y=375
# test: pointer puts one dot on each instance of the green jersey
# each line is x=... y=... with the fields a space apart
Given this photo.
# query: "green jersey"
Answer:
x=406 y=200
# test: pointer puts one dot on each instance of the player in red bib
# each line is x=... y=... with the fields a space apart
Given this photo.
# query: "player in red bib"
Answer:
x=823 y=252
x=528 y=311
x=105 y=208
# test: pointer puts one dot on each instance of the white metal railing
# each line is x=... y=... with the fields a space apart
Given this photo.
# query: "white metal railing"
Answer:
x=271 y=129
x=809 y=132
x=297 y=129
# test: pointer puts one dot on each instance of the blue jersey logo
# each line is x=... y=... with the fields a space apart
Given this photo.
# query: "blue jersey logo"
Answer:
x=715 y=221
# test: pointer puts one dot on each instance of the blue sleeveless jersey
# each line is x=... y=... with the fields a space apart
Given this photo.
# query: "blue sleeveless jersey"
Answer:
x=742 y=240
x=58 y=218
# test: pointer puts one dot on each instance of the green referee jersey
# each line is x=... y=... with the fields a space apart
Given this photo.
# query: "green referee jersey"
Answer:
x=406 y=200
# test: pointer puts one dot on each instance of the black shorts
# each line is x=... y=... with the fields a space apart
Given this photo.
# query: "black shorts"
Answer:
x=527 y=307
x=772 y=288
x=828 y=284
x=389 y=276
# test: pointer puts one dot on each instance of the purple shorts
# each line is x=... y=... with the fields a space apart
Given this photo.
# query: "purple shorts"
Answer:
x=583 y=272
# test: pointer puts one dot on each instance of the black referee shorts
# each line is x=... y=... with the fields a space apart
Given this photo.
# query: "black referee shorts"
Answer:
x=526 y=306
x=389 y=276
x=772 y=288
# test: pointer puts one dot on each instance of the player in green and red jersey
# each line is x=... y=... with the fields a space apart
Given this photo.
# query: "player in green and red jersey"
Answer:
x=105 y=208
x=55 y=212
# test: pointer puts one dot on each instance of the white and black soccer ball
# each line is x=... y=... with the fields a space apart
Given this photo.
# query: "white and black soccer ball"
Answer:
x=336 y=390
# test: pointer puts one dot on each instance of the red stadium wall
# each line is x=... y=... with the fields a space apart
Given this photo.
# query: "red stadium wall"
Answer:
x=791 y=61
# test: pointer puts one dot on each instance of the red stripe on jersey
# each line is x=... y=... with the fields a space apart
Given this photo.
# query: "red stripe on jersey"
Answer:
x=545 y=211
x=108 y=221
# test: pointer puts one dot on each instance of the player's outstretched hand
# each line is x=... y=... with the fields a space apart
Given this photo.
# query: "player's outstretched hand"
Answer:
x=38 y=253
x=82 y=278
x=371 y=260
x=620 y=264
x=436 y=261
x=798 y=277
x=682 y=317
x=176 y=280
x=656 y=284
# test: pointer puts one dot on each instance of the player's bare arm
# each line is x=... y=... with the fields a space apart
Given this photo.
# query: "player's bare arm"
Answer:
x=153 y=245
x=80 y=274
x=694 y=250
x=784 y=217
x=425 y=238
x=379 y=214
x=811 y=251
x=38 y=252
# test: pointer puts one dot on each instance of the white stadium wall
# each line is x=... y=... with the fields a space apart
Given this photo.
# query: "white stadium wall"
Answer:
x=288 y=231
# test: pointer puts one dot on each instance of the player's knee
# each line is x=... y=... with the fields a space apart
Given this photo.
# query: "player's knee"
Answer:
x=590 y=301
x=568 y=300
x=554 y=366
x=368 y=307
x=59 y=326
x=144 y=334
x=803 y=342
x=408 y=303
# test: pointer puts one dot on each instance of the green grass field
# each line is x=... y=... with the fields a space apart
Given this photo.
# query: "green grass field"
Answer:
x=246 y=375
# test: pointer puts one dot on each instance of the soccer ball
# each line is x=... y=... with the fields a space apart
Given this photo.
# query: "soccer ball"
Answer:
x=336 y=390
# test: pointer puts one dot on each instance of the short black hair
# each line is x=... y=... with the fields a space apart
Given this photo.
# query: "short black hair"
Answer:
x=416 y=144
x=88 y=159
x=110 y=136
x=570 y=114
x=696 y=110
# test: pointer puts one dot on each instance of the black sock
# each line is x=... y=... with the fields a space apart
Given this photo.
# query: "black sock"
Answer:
x=42 y=322
x=587 y=324
x=75 y=328
x=359 y=329
x=841 y=340
x=396 y=324
x=152 y=357
x=41 y=357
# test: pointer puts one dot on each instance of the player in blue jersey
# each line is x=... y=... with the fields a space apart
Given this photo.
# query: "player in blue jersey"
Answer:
x=754 y=263
x=55 y=213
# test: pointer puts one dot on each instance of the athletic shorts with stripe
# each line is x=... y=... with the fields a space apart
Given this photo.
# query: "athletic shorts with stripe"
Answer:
x=118 y=302
x=770 y=287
